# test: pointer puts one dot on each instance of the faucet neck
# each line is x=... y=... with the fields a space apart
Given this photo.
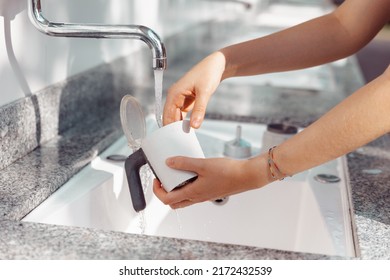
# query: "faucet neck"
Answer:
x=140 y=32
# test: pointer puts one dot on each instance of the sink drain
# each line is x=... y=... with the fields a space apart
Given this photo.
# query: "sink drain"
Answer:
x=327 y=178
x=221 y=201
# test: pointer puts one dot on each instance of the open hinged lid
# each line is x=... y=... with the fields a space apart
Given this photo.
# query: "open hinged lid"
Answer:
x=133 y=121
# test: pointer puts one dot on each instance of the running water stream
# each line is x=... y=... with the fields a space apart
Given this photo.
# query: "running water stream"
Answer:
x=158 y=88
x=146 y=181
x=146 y=173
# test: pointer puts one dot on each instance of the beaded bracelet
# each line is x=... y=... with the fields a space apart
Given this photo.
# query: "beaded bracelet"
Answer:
x=278 y=175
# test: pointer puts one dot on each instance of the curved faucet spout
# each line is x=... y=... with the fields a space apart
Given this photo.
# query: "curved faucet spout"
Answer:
x=140 y=32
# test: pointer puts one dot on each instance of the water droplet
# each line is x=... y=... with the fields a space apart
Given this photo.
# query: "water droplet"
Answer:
x=178 y=220
x=142 y=222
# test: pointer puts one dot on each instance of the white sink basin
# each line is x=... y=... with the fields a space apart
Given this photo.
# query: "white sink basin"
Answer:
x=297 y=214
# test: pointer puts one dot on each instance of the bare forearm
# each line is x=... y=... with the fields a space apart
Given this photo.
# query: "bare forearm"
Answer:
x=357 y=120
x=294 y=48
x=312 y=43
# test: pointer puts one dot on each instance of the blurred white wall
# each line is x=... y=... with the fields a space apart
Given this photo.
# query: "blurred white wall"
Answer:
x=30 y=61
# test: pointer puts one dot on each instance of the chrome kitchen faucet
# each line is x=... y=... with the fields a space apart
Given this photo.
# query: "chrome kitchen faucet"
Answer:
x=140 y=32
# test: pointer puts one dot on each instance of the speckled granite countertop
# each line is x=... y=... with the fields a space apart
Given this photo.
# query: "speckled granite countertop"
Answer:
x=31 y=179
x=28 y=181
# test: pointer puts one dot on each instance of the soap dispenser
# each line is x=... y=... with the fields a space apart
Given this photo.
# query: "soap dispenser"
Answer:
x=238 y=148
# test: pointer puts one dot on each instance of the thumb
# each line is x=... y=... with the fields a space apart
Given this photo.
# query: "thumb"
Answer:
x=185 y=163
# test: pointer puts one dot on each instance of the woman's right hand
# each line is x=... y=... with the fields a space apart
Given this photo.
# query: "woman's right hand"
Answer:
x=193 y=90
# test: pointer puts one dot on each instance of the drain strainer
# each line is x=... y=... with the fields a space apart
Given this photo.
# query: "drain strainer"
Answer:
x=327 y=178
x=221 y=201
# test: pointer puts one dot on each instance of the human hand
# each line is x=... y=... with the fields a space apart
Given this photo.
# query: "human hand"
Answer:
x=217 y=178
x=193 y=90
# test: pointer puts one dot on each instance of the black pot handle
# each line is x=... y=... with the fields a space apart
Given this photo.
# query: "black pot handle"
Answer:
x=132 y=166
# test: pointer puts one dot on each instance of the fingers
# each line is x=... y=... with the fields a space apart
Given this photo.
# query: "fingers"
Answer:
x=184 y=196
x=199 y=110
x=172 y=113
x=186 y=163
x=194 y=90
x=181 y=100
x=182 y=204
x=159 y=190
x=172 y=199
